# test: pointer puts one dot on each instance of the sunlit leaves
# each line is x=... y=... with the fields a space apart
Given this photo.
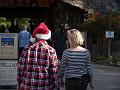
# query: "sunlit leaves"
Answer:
x=5 y=22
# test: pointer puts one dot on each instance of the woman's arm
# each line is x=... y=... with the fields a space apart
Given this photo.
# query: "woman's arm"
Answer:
x=62 y=65
x=90 y=70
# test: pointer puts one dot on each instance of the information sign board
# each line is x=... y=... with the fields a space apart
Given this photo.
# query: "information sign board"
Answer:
x=8 y=46
x=8 y=72
x=109 y=34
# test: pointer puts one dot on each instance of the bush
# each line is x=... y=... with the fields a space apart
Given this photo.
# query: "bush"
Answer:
x=101 y=58
x=114 y=59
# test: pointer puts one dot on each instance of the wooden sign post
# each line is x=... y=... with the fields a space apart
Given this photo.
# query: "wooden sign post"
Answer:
x=8 y=59
x=109 y=35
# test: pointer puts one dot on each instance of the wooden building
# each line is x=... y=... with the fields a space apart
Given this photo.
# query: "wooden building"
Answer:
x=57 y=12
x=36 y=10
x=99 y=46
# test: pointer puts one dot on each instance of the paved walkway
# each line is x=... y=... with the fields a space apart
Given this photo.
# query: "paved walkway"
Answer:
x=106 y=78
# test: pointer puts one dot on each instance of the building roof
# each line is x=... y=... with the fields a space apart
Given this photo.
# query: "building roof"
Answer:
x=103 y=6
x=24 y=3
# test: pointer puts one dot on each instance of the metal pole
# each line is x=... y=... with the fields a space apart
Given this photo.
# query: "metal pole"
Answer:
x=109 y=47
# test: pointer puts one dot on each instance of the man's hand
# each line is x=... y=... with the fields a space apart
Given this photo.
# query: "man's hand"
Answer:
x=61 y=82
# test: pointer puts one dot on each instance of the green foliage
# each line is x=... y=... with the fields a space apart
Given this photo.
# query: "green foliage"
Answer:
x=96 y=27
x=92 y=25
x=114 y=59
x=101 y=58
x=23 y=20
x=5 y=22
x=99 y=25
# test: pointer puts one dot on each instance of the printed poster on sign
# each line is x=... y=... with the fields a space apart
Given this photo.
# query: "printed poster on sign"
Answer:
x=8 y=72
x=8 y=46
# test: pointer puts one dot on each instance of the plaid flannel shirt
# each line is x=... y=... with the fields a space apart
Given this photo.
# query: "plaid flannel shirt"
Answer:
x=38 y=68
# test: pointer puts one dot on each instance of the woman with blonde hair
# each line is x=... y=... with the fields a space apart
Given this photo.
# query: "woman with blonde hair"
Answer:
x=76 y=64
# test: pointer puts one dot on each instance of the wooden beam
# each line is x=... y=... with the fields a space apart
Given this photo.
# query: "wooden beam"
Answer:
x=24 y=12
x=25 y=3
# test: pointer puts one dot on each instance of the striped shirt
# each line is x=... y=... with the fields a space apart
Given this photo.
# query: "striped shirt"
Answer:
x=75 y=63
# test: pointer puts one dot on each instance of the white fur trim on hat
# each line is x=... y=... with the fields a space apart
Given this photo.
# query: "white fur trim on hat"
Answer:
x=44 y=36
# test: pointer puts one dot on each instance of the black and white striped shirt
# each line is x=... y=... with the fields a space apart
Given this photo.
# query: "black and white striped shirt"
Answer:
x=75 y=63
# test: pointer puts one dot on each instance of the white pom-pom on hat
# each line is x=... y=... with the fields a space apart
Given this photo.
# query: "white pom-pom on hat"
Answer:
x=32 y=39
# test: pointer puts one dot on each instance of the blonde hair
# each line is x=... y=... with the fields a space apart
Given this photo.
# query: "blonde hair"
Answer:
x=23 y=26
x=75 y=38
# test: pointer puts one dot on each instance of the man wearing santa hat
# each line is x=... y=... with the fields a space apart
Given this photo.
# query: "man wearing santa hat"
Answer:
x=38 y=65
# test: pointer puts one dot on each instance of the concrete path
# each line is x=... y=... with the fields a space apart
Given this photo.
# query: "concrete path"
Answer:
x=106 y=78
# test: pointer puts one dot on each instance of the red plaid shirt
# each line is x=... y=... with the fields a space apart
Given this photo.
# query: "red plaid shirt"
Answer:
x=38 y=68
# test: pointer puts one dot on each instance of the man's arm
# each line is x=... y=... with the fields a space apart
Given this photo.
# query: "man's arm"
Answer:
x=20 y=69
x=54 y=70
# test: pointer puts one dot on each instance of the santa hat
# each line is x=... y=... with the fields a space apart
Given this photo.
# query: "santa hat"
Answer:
x=41 y=32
